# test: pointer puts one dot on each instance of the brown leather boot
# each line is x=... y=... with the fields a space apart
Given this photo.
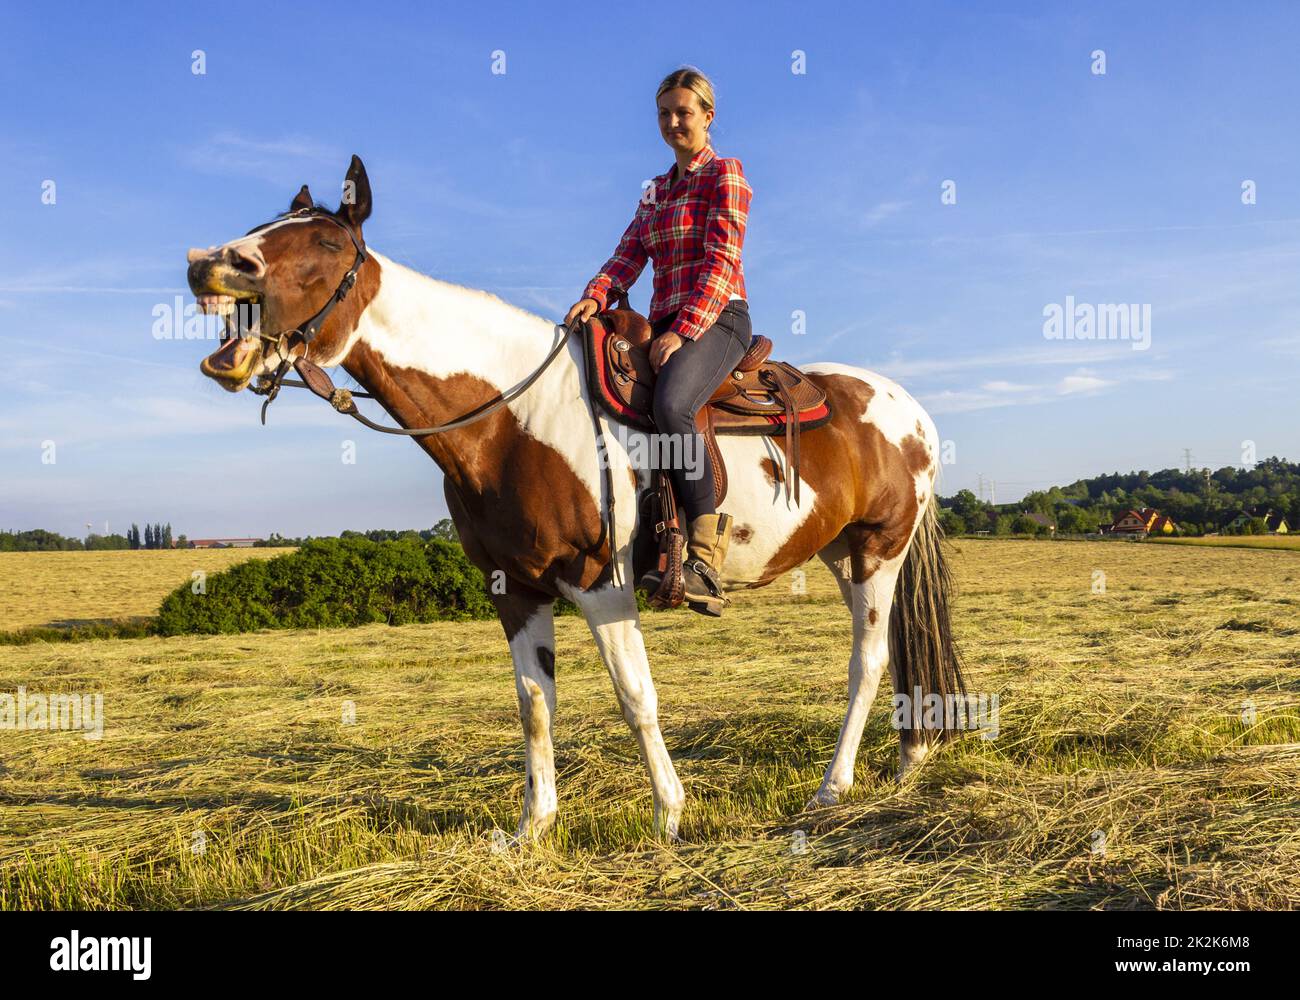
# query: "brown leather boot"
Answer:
x=710 y=536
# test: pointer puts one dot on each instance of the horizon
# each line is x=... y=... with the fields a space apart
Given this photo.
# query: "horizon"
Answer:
x=1074 y=189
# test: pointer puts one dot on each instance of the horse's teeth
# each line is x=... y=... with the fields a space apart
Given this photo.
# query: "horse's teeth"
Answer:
x=216 y=305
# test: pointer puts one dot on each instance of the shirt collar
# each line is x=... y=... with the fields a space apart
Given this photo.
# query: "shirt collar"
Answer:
x=697 y=161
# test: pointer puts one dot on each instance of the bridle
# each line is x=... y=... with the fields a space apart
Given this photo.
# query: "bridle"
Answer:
x=315 y=378
x=269 y=386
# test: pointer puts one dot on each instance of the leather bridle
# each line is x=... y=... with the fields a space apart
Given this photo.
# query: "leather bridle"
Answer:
x=315 y=378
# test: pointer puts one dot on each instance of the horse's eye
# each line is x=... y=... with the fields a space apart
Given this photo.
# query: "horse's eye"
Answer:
x=331 y=245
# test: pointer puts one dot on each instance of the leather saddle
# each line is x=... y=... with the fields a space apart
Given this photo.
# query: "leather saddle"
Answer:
x=760 y=396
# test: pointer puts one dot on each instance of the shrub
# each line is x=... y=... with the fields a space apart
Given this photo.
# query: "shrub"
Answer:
x=330 y=583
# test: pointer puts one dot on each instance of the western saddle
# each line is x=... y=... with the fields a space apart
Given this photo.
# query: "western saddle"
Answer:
x=760 y=396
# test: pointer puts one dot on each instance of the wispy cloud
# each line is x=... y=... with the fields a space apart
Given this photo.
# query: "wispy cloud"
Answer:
x=1000 y=393
x=1039 y=355
x=883 y=211
x=92 y=275
x=278 y=160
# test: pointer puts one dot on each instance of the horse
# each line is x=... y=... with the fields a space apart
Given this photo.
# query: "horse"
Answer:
x=526 y=489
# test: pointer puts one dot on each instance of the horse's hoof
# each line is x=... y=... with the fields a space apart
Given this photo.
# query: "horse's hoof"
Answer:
x=824 y=797
x=665 y=831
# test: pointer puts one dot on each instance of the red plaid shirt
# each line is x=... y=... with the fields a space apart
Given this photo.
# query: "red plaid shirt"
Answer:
x=694 y=234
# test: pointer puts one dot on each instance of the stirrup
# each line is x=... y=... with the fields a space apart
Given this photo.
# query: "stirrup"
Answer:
x=706 y=573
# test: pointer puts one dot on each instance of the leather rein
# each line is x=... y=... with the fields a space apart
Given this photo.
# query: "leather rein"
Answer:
x=316 y=379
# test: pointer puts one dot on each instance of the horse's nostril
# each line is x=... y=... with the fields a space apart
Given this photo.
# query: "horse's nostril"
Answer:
x=247 y=264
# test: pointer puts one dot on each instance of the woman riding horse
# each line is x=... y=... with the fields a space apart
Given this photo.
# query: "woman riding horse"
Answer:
x=691 y=223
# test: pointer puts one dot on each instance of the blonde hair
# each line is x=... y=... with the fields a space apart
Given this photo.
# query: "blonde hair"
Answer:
x=693 y=80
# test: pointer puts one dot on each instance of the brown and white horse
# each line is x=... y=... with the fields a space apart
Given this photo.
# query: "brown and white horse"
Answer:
x=525 y=487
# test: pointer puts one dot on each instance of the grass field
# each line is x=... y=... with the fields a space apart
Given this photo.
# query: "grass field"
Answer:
x=1148 y=753
x=62 y=588
x=1284 y=542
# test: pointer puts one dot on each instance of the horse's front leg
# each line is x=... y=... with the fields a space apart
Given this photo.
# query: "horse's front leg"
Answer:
x=615 y=623
x=529 y=621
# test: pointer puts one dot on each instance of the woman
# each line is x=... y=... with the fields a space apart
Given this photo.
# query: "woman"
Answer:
x=691 y=223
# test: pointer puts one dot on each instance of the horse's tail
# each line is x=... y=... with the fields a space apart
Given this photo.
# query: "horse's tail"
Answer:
x=921 y=647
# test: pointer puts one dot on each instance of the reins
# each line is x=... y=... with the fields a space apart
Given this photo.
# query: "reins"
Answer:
x=318 y=381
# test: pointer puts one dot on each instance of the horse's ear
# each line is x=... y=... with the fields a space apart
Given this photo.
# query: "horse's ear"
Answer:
x=301 y=200
x=355 y=206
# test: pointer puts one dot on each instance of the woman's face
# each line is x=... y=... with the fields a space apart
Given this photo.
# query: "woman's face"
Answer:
x=682 y=122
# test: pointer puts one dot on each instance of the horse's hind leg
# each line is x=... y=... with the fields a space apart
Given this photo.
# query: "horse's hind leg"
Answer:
x=867 y=586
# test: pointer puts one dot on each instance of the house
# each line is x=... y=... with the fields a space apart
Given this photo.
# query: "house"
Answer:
x=1276 y=523
x=223 y=543
x=1042 y=520
x=1142 y=522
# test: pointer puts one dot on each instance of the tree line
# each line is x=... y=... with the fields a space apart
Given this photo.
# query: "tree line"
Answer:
x=1199 y=501
x=159 y=536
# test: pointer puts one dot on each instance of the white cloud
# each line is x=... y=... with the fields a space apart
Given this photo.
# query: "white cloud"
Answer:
x=999 y=386
x=1082 y=381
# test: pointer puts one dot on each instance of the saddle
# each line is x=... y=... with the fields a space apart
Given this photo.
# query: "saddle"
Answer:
x=759 y=396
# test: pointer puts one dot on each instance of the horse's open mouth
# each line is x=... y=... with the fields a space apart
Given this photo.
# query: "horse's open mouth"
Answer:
x=237 y=360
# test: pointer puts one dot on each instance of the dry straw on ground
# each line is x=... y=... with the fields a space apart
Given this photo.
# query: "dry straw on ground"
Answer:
x=1147 y=756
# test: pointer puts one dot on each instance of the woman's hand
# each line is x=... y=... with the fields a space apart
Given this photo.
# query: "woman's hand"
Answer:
x=662 y=348
x=583 y=309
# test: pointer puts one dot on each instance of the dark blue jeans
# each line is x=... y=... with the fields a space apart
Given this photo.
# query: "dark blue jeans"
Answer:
x=684 y=384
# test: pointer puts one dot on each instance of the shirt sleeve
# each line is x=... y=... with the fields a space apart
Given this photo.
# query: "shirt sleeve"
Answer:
x=621 y=270
x=724 y=236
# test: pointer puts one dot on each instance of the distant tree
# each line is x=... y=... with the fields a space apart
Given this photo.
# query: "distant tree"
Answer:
x=38 y=540
x=952 y=524
x=966 y=504
x=103 y=542
x=1071 y=520
x=1023 y=524
x=446 y=530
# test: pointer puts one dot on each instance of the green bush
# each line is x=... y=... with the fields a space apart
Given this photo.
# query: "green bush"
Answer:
x=332 y=583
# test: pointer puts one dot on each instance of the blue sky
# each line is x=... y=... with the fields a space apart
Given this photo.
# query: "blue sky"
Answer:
x=1117 y=188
